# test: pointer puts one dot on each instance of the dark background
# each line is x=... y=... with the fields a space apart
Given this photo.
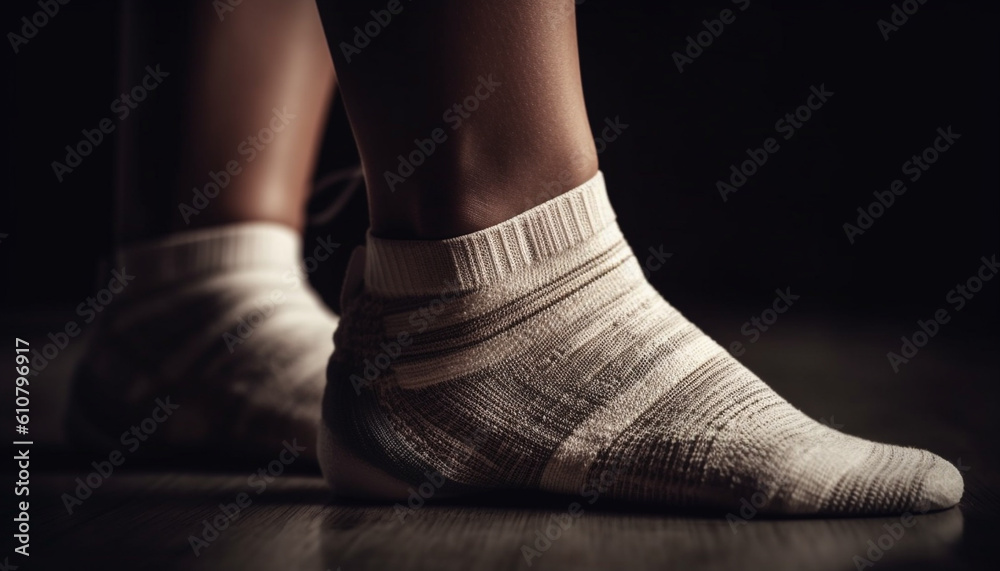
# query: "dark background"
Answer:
x=781 y=229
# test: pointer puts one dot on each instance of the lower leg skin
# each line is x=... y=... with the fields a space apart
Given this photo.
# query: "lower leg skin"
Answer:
x=492 y=87
x=226 y=74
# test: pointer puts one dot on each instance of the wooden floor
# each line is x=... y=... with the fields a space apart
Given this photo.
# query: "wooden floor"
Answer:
x=143 y=515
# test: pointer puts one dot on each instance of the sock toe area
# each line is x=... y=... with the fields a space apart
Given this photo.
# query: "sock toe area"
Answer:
x=942 y=486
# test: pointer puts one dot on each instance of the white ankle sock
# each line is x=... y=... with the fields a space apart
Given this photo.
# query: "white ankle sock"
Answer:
x=540 y=340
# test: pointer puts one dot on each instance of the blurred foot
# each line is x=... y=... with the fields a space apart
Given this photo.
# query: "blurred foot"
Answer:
x=220 y=328
x=535 y=355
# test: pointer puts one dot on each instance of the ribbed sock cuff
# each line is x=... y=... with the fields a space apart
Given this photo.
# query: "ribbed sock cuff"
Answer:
x=249 y=245
x=473 y=261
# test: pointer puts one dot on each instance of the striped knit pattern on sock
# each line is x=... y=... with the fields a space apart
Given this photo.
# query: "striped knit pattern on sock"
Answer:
x=535 y=355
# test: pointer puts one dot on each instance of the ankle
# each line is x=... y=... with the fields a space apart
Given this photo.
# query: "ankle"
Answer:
x=489 y=256
x=473 y=194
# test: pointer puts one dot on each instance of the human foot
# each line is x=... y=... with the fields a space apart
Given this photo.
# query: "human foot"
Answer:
x=541 y=343
x=221 y=325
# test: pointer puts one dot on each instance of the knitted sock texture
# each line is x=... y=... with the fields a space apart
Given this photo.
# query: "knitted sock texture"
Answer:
x=535 y=355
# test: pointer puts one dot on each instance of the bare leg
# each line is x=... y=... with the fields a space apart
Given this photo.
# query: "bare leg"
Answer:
x=227 y=73
x=520 y=125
